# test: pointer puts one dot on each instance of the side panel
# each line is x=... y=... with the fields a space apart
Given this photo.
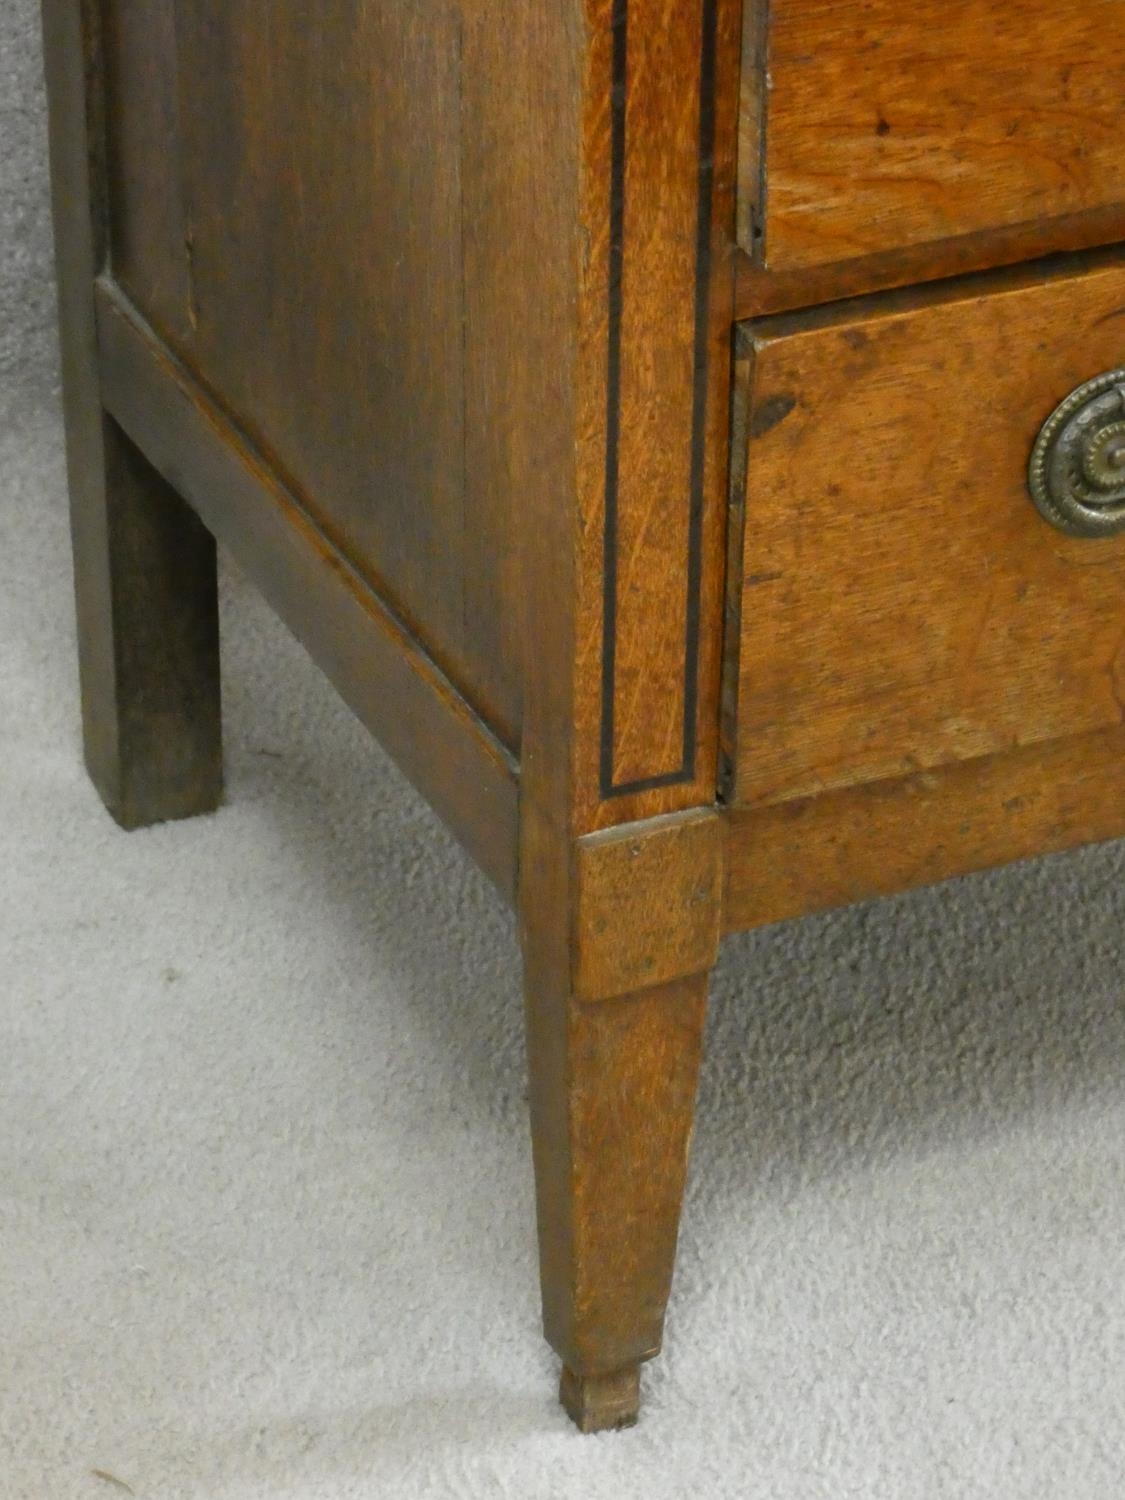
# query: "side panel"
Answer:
x=378 y=670
x=293 y=190
x=148 y=230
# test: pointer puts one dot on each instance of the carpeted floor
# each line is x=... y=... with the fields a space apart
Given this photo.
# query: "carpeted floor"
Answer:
x=265 y=1194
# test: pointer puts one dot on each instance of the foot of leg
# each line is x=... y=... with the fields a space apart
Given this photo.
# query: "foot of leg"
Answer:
x=602 y=1403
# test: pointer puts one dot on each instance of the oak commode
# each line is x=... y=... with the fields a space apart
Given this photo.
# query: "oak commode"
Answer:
x=690 y=436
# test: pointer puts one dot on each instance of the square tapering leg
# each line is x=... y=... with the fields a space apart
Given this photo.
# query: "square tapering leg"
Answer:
x=613 y=1086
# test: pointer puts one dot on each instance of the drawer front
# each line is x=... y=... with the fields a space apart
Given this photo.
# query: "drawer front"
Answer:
x=901 y=604
x=871 y=126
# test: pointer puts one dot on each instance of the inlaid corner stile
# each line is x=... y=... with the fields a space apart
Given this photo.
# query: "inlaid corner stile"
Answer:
x=656 y=320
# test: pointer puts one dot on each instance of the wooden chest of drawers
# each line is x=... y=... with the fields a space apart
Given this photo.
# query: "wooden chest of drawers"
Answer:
x=690 y=435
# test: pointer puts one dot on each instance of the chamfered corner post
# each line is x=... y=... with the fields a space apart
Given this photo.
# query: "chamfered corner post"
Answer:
x=144 y=565
x=621 y=883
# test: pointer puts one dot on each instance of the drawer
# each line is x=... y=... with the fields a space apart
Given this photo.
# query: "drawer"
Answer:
x=870 y=126
x=898 y=601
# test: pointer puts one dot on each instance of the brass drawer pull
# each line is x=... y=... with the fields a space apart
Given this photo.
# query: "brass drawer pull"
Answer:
x=1077 y=474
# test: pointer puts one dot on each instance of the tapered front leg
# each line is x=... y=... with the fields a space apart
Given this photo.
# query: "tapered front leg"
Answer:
x=621 y=464
x=148 y=639
x=613 y=1094
x=616 y=1002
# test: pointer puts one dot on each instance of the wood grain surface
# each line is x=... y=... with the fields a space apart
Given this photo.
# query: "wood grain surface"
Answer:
x=888 y=125
x=657 y=214
x=866 y=841
x=655 y=312
x=760 y=290
x=615 y=1087
x=300 y=205
x=903 y=604
x=613 y=1083
x=376 y=666
x=649 y=901
x=149 y=230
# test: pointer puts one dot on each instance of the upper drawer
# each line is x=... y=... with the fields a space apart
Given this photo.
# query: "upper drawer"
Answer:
x=903 y=603
x=871 y=126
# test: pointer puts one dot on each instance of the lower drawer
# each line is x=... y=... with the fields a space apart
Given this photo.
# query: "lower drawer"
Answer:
x=898 y=601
